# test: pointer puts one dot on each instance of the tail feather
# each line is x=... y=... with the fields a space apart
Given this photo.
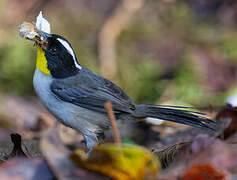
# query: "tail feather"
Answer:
x=177 y=107
x=175 y=114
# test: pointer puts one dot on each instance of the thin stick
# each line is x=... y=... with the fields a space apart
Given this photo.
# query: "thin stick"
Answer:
x=109 y=109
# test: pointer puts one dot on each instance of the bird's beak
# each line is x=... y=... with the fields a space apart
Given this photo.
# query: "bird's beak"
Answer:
x=29 y=31
x=42 y=39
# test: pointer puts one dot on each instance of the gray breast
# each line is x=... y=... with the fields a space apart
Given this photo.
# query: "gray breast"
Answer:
x=81 y=119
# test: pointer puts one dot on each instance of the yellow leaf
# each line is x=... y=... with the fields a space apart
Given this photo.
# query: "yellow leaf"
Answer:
x=126 y=162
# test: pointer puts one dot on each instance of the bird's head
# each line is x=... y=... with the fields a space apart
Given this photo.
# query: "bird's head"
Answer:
x=55 y=55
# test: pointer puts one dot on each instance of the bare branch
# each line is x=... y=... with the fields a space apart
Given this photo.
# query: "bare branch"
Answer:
x=109 y=109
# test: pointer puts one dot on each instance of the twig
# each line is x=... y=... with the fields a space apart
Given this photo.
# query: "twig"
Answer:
x=109 y=109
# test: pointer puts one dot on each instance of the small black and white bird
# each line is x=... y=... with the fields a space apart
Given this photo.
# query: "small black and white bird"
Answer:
x=76 y=96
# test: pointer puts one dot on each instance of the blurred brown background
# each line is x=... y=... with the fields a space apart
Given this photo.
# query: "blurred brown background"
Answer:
x=179 y=52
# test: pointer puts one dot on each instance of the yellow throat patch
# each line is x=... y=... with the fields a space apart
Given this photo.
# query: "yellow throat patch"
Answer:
x=41 y=62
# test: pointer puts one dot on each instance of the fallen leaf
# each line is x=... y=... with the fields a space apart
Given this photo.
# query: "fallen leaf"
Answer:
x=202 y=151
x=17 y=146
x=204 y=172
x=126 y=162
x=168 y=155
x=228 y=113
x=25 y=169
x=57 y=156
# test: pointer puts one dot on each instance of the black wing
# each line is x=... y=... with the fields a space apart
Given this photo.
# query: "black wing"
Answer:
x=91 y=91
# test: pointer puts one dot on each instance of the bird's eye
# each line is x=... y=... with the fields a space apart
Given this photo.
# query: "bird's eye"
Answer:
x=53 y=51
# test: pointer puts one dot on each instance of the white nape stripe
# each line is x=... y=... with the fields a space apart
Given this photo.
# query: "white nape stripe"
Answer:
x=69 y=49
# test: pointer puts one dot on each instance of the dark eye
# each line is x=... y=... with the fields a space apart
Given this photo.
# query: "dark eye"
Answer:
x=53 y=51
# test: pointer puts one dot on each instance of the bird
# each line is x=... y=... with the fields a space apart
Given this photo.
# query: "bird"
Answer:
x=76 y=96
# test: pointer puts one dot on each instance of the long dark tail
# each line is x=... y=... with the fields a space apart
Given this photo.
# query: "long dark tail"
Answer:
x=174 y=113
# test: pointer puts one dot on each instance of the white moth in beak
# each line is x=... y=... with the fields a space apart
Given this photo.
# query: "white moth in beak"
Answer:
x=42 y=24
x=31 y=30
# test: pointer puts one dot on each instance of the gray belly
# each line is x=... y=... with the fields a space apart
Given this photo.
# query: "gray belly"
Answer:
x=81 y=119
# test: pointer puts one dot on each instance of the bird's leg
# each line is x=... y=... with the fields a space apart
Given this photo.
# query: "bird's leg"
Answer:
x=91 y=141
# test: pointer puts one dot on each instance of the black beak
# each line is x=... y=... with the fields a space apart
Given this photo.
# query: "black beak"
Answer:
x=42 y=39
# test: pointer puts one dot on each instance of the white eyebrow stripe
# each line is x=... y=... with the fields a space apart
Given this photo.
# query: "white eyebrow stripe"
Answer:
x=69 y=49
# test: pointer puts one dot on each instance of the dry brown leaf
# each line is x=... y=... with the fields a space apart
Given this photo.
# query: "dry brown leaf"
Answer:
x=25 y=169
x=204 y=172
x=202 y=152
x=58 y=159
